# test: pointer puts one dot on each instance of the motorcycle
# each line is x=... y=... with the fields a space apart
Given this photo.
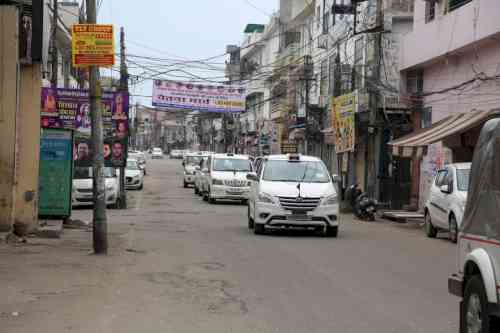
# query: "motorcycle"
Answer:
x=362 y=205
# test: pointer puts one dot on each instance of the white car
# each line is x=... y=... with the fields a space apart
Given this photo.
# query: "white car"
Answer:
x=140 y=157
x=226 y=178
x=189 y=163
x=82 y=194
x=157 y=153
x=445 y=205
x=134 y=176
x=293 y=191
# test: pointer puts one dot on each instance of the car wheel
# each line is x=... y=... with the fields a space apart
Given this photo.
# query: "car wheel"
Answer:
x=258 y=229
x=331 y=231
x=185 y=185
x=196 y=191
x=453 y=227
x=141 y=187
x=205 y=197
x=430 y=230
x=250 y=220
x=475 y=316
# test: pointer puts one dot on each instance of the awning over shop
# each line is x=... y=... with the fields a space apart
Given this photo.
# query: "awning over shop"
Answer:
x=415 y=144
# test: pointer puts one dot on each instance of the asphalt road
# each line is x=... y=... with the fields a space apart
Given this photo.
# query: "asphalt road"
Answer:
x=180 y=265
x=375 y=277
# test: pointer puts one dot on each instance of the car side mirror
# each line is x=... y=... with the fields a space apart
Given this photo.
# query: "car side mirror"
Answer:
x=183 y=163
x=252 y=176
x=336 y=178
x=445 y=189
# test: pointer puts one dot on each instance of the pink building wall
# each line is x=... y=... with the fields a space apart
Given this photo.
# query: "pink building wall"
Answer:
x=483 y=60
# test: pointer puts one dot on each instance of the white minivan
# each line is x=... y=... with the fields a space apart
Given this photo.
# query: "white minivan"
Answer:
x=445 y=205
x=477 y=279
x=225 y=177
x=293 y=191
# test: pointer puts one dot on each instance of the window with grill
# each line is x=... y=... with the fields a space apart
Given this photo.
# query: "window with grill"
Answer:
x=430 y=11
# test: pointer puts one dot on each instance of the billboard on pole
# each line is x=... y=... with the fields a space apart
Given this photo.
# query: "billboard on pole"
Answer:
x=343 y=113
x=198 y=97
x=93 y=45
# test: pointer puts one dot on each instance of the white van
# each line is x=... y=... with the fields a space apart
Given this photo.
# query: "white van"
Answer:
x=293 y=191
x=225 y=178
x=477 y=280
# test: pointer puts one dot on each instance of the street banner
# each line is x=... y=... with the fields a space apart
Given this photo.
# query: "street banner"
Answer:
x=70 y=109
x=198 y=97
x=343 y=111
x=55 y=174
x=93 y=45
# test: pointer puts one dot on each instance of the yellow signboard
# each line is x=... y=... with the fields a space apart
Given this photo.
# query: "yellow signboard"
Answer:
x=343 y=110
x=93 y=45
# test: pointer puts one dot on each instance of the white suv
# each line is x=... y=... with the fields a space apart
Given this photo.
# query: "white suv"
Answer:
x=445 y=206
x=293 y=191
x=225 y=178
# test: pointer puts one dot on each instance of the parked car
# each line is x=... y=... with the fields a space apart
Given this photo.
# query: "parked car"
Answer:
x=134 y=176
x=177 y=154
x=293 y=191
x=477 y=277
x=141 y=159
x=226 y=178
x=189 y=162
x=157 y=153
x=445 y=205
x=82 y=194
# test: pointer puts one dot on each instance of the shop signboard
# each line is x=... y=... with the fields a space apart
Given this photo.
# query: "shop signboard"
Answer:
x=200 y=97
x=343 y=121
x=55 y=175
x=288 y=148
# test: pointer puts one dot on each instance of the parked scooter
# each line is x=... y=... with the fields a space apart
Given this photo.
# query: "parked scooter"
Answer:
x=362 y=205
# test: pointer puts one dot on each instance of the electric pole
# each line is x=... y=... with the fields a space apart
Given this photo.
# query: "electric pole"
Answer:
x=124 y=89
x=99 y=228
x=53 y=49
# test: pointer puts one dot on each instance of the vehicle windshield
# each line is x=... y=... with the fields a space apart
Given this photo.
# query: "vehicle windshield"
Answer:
x=463 y=179
x=232 y=164
x=132 y=165
x=285 y=171
x=86 y=172
x=193 y=160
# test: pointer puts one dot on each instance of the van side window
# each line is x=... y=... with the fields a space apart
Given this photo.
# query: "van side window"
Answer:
x=441 y=176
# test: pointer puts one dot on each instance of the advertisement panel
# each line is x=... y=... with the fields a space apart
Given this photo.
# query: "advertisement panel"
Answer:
x=199 y=97
x=70 y=109
x=55 y=173
x=93 y=45
x=343 y=112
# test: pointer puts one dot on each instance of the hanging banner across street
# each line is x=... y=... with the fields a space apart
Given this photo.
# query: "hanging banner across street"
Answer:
x=198 y=97
x=93 y=45
x=343 y=111
x=70 y=109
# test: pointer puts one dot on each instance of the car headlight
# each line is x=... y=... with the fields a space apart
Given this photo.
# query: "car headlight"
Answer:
x=217 y=182
x=265 y=198
x=330 y=200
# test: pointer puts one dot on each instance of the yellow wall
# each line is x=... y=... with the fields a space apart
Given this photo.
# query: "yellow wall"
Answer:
x=28 y=148
x=20 y=89
x=8 y=107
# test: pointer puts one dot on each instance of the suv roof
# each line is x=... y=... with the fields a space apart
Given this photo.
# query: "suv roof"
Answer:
x=230 y=156
x=286 y=157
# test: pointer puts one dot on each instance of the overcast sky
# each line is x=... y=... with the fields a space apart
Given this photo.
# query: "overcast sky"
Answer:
x=186 y=29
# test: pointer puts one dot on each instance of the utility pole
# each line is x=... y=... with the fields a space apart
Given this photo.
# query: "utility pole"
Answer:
x=123 y=88
x=99 y=229
x=53 y=51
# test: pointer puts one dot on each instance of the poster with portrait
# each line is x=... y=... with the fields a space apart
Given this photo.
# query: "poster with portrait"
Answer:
x=343 y=113
x=114 y=151
x=70 y=109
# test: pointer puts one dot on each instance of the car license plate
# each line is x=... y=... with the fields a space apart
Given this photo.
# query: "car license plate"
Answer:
x=298 y=217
